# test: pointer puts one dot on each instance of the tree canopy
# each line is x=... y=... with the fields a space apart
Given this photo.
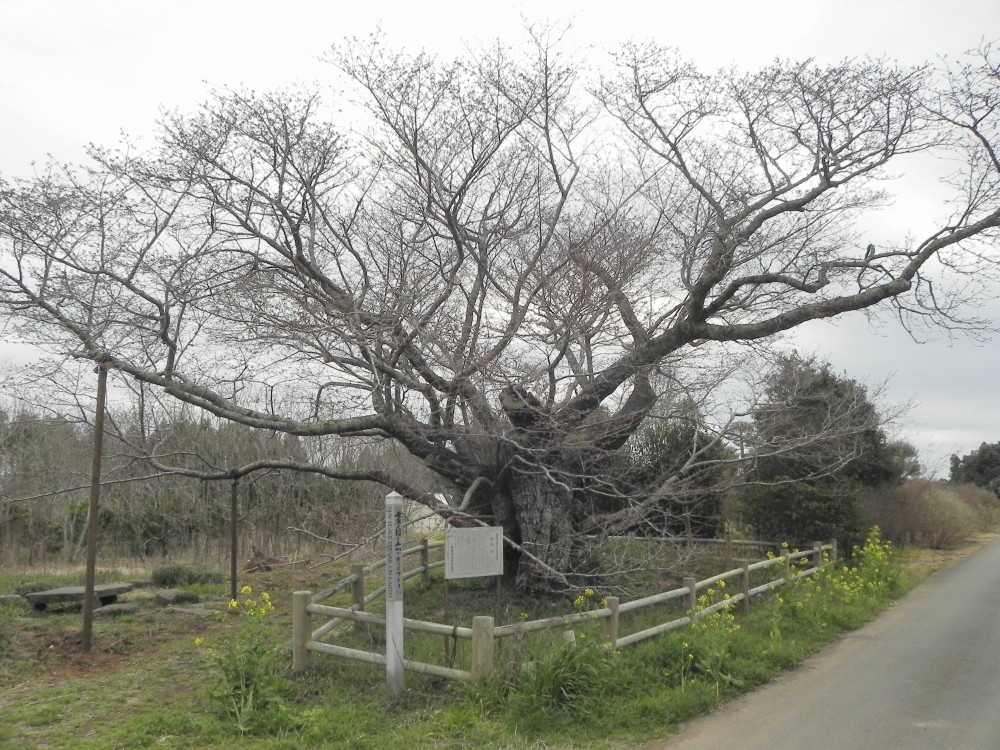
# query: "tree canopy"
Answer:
x=980 y=467
x=389 y=263
x=825 y=442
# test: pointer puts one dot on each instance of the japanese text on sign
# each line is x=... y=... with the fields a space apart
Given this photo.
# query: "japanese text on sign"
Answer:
x=394 y=551
x=473 y=552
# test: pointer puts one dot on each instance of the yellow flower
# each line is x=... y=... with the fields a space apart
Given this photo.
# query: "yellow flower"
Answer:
x=589 y=592
x=246 y=590
x=199 y=641
x=233 y=604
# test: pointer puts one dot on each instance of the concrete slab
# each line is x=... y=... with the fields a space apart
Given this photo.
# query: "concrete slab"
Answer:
x=106 y=593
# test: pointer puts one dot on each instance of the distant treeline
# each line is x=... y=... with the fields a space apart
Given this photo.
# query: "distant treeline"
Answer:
x=45 y=467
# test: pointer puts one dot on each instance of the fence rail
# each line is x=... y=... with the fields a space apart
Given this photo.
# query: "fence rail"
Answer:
x=484 y=634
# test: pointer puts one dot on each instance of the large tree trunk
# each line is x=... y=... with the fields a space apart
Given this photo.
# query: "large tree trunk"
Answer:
x=538 y=512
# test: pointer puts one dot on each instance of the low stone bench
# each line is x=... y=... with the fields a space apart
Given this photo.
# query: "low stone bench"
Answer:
x=105 y=593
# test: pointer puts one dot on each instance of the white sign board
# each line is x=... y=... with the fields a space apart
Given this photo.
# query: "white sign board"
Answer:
x=473 y=552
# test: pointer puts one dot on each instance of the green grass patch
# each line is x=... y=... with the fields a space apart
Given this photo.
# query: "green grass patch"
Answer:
x=148 y=683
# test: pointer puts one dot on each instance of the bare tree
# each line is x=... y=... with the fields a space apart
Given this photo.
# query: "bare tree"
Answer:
x=494 y=266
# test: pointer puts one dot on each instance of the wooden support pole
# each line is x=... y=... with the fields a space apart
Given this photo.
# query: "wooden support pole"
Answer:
x=425 y=561
x=786 y=558
x=358 y=587
x=301 y=630
x=482 y=648
x=234 y=536
x=93 y=516
x=611 y=623
x=817 y=555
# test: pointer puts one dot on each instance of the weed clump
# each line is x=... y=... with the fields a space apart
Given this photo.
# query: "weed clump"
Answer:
x=172 y=576
x=247 y=681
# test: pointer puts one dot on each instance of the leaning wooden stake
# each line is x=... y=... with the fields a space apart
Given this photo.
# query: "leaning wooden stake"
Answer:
x=358 y=588
x=234 y=535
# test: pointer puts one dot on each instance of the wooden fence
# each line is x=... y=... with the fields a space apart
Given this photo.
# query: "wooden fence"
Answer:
x=787 y=567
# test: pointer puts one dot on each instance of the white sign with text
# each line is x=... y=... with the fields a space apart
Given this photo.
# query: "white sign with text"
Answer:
x=473 y=552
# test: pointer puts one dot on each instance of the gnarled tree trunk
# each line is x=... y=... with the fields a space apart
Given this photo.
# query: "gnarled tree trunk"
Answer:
x=536 y=504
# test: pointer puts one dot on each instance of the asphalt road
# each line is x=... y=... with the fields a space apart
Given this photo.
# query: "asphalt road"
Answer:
x=924 y=676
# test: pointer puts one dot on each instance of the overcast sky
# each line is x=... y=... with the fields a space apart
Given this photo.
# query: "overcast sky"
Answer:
x=79 y=71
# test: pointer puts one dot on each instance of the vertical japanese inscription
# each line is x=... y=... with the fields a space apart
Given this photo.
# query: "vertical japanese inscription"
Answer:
x=394 y=551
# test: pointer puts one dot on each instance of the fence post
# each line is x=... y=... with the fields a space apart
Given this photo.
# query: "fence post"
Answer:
x=425 y=561
x=691 y=599
x=301 y=630
x=786 y=558
x=358 y=587
x=611 y=623
x=482 y=648
x=745 y=588
x=818 y=555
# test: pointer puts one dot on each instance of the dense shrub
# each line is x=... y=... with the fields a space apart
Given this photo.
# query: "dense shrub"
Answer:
x=931 y=514
x=983 y=502
x=801 y=513
x=171 y=576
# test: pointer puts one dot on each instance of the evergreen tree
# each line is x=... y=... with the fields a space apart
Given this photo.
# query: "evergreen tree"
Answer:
x=981 y=467
x=820 y=442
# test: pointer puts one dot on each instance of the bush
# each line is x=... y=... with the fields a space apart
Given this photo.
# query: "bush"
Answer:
x=801 y=513
x=931 y=514
x=172 y=576
x=947 y=520
x=984 y=503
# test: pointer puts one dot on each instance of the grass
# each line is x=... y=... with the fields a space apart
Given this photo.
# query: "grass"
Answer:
x=147 y=684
